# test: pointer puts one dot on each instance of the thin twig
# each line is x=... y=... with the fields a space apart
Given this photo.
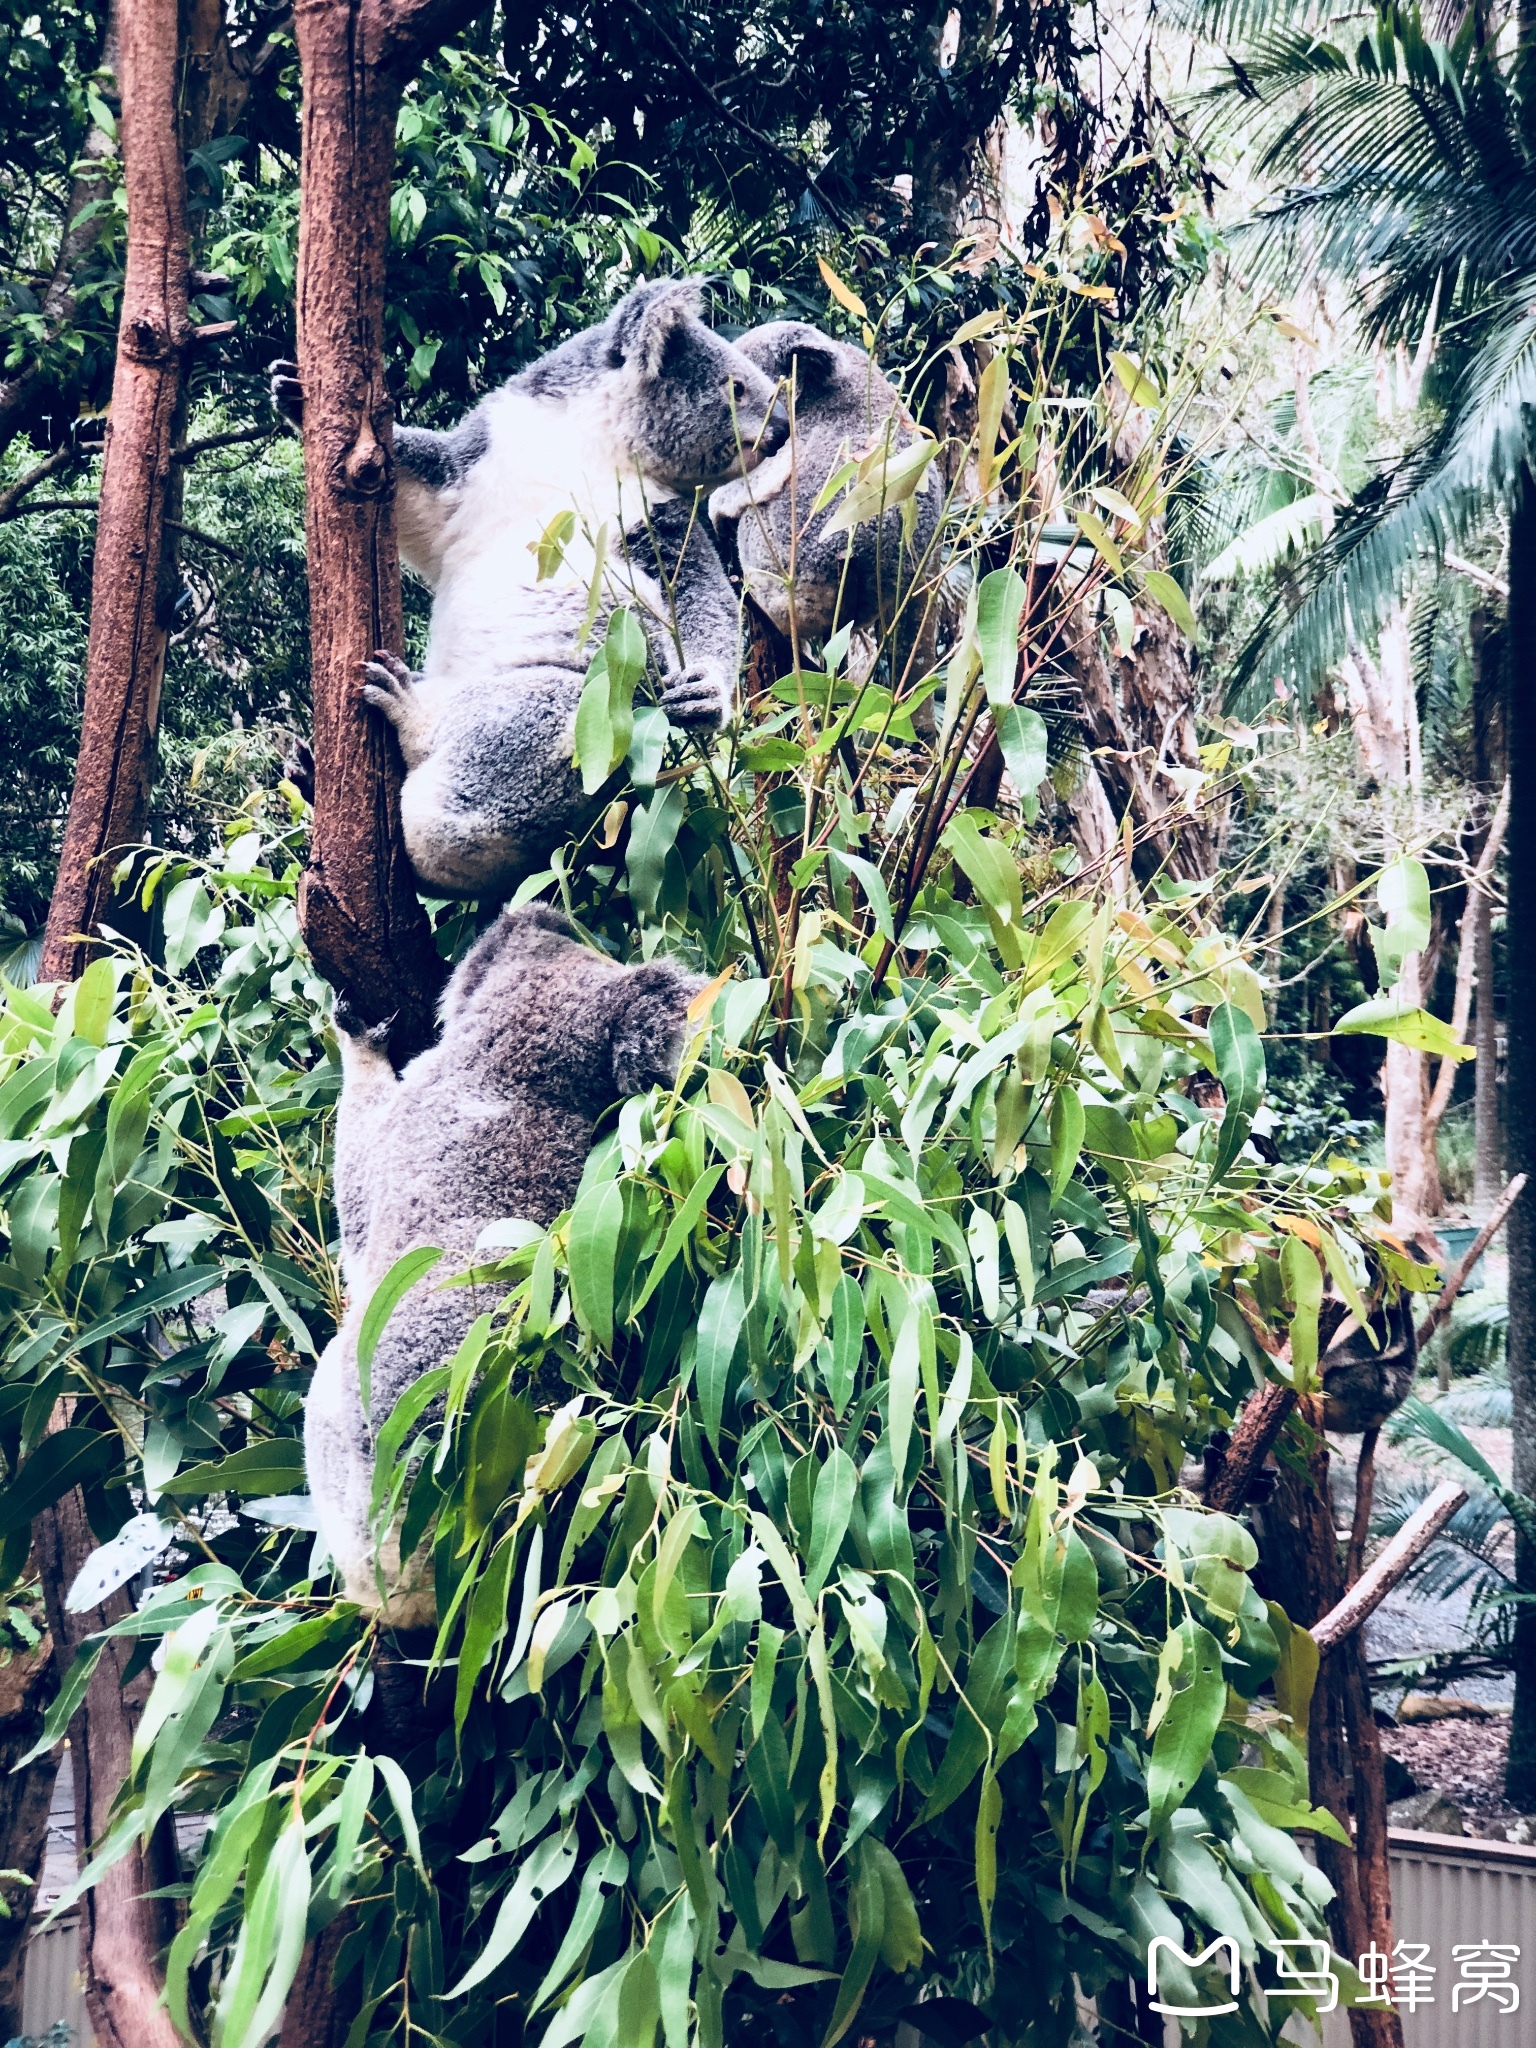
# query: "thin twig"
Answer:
x=1365 y=1494
x=207 y=539
x=1410 y=1542
x=1469 y=1259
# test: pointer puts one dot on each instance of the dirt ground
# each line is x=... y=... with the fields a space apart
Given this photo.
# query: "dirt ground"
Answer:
x=1463 y=1760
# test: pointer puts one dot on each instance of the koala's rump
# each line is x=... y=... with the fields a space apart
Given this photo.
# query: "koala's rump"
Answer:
x=497 y=793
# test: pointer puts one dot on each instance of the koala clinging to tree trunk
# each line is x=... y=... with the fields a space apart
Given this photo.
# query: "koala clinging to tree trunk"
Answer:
x=619 y=426
x=875 y=578
x=540 y=1034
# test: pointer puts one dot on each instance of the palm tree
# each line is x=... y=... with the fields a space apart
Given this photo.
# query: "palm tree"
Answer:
x=1408 y=153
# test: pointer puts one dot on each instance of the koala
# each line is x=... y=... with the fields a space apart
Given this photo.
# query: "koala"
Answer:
x=620 y=425
x=1362 y=1383
x=873 y=578
x=539 y=1035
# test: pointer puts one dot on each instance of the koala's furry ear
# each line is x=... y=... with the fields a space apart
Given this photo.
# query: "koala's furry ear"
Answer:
x=792 y=345
x=644 y=321
x=649 y=1022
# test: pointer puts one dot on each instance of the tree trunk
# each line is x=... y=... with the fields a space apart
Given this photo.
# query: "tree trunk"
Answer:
x=1520 y=1111
x=122 y=1932
x=131 y=584
x=1302 y=1563
x=26 y=1685
x=1489 y=766
x=21 y=394
x=1488 y=1146
x=358 y=905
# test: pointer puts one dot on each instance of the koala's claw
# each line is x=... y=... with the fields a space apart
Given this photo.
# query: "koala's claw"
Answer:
x=287 y=393
x=299 y=769
x=699 y=697
x=388 y=684
x=348 y=1020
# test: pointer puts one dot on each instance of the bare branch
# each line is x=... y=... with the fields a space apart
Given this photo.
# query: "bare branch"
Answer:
x=1469 y=1259
x=192 y=449
x=11 y=497
x=1410 y=1542
x=1252 y=1440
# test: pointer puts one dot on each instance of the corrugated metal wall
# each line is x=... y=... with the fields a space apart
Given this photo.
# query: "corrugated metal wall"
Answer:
x=1445 y=1891
x=50 y=1985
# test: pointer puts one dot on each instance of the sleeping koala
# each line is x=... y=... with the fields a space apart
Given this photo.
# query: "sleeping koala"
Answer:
x=540 y=1034
x=842 y=407
x=1363 y=1383
x=621 y=426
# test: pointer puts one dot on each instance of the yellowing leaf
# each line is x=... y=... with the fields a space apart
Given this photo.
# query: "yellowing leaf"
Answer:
x=843 y=294
x=1121 y=506
x=982 y=324
x=1134 y=380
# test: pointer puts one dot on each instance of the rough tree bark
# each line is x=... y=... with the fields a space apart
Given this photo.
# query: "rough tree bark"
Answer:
x=1301 y=1560
x=358 y=905
x=131 y=589
x=1520 y=1108
x=122 y=1931
x=26 y=1686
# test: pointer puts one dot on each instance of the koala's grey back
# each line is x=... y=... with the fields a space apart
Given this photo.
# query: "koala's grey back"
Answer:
x=539 y=1035
x=1362 y=1383
x=843 y=405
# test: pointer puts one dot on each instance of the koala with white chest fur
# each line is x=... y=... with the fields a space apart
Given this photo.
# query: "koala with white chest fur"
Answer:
x=540 y=1034
x=875 y=578
x=619 y=425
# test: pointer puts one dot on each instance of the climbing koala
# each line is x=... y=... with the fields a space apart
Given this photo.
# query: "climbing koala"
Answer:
x=539 y=1035
x=1363 y=1383
x=620 y=426
x=874 y=578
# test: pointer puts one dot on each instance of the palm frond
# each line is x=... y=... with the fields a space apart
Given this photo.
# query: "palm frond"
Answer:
x=1478 y=1341
x=1279 y=537
x=1401 y=526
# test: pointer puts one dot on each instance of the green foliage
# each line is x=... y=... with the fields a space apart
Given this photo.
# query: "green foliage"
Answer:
x=819 y=1618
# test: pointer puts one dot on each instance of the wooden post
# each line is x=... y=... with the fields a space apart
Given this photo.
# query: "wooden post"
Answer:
x=361 y=917
x=130 y=593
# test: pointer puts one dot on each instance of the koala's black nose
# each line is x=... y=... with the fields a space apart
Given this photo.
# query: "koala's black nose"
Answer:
x=775 y=428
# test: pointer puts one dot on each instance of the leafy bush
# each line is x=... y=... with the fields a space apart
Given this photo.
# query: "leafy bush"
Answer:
x=821 y=1623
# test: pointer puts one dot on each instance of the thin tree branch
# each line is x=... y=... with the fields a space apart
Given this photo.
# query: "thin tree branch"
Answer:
x=1410 y=1542
x=207 y=539
x=1483 y=578
x=50 y=465
x=1365 y=1494
x=55 y=505
x=192 y=449
x=1469 y=1259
